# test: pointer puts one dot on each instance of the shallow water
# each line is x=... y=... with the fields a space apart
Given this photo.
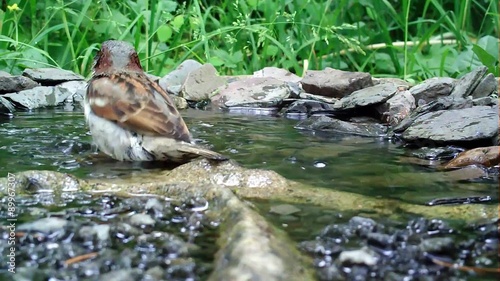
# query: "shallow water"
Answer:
x=58 y=140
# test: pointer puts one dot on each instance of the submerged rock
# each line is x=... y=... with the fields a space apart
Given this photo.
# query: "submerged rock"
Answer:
x=334 y=83
x=327 y=124
x=252 y=92
x=475 y=124
x=51 y=76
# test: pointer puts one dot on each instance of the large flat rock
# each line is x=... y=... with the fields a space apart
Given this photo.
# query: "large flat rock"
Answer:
x=476 y=123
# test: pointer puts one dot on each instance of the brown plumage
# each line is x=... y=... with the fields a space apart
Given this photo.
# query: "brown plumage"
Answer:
x=130 y=116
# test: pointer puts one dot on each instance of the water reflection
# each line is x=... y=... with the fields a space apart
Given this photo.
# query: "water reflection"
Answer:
x=59 y=140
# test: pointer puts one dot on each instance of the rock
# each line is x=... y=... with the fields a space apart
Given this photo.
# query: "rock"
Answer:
x=201 y=83
x=465 y=85
x=89 y=233
x=44 y=225
x=252 y=92
x=173 y=81
x=122 y=275
x=327 y=124
x=284 y=209
x=466 y=173
x=38 y=97
x=397 y=108
x=270 y=111
x=485 y=101
x=439 y=104
x=278 y=73
x=486 y=156
x=396 y=81
x=363 y=256
x=307 y=107
x=486 y=87
x=308 y=96
x=335 y=83
x=10 y=83
x=67 y=91
x=51 y=76
x=180 y=103
x=438 y=245
x=437 y=153
x=142 y=220
x=6 y=107
x=432 y=89
x=479 y=123
x=367 y=96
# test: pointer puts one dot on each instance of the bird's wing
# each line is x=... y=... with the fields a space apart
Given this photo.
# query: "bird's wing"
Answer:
x=136 y=103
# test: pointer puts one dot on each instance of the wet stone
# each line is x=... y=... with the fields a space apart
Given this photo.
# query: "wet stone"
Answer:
x=10 y=83
x=307 y=107
x=362 y=249
x=173 y=81
x=201 y=82
x=328 y=124
x=51 y=76
x=366 y=97
x=96 y=226
x=437 y=153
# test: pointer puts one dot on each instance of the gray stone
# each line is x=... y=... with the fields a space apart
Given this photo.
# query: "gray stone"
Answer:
x=363 y=256
x=10 y=83
x=66 y=91
x=100 y=232
x=6 y=107
x=44 y=225
x=443 y=103
x=252 y=92
x=397 y=108
x=432 y=89
x=180 y=103
x=327 y=124
x=437 y=244
x=367 y=96
x=396 y=81
x=477 y=123
x=465 y=85
x=487 y=101
x=278 y=73
x=201 y=83
x=335 y=83
x=486 y=87
x=174 y=80
x=308 y=96
x=51 y=76
x=38 y=97
x=142 y=220
x=308 y=107
x=284 y=209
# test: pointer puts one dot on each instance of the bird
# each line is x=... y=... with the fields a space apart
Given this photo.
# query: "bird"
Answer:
x=132 y=118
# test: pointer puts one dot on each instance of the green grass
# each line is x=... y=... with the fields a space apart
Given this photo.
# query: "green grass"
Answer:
x=413 y=40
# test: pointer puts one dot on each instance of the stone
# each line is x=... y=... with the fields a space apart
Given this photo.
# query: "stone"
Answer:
x=478 y=123
x=486 y=87
x=201 y=83
x=308 y=107
x=363 y=256
x=438 y=245
x=51 y=76
x=278 y=73
x=67 y=90
x=444 y=103
x=437 y=153
x=10 y=83
x=180 y=103
x=252 y=92
x=334 y=83
x=173 y=81
x=366 y=97
x=485 y=101
x=465 y=85
x=44 y=225
x=432 y=89
x=486 y=156
x=38 y=97
x=396 y=81
x=308 y=96
x=397 y=108
x=284 y=210
x=140 y=220
x=6 y=107
x=328 y=124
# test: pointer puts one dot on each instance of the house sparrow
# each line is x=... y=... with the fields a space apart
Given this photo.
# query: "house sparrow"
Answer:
x=131 y=118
